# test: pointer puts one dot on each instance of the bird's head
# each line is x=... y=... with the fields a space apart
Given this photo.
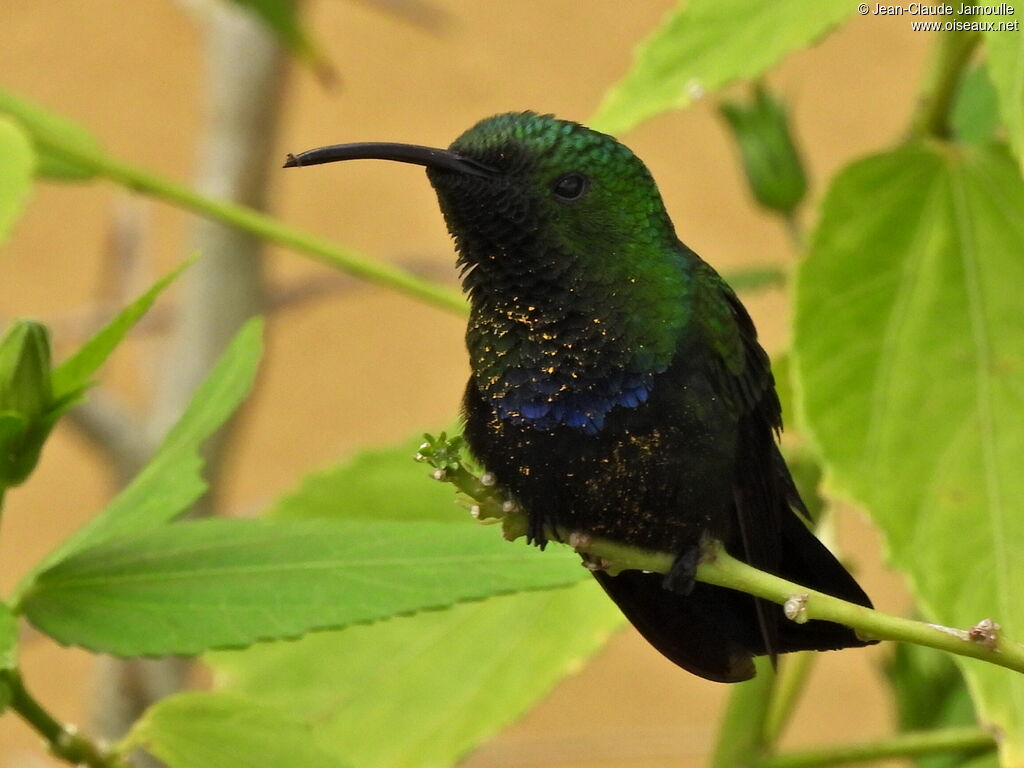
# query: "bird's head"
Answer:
x=528 y=196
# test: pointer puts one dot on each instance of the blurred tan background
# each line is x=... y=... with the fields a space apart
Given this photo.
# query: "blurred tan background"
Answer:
x=364 y=367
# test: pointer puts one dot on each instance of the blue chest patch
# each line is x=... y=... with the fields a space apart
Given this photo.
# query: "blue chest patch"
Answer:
x=548 y=401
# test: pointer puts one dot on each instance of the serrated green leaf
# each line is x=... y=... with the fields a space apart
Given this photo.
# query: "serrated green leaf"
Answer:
x=909 y=348
x=374 y=485
x=422 y=691
x=975 y=116
x=17 y=166
x=171 y=481
x=1005 y=63
x=221 y=730
x=704 y=45
x=47 y=130
x=226 y=583
x=74 y=374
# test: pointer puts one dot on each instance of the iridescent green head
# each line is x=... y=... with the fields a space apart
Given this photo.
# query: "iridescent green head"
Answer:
x=562 y=198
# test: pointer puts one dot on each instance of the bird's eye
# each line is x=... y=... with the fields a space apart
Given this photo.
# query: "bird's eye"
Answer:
x=571 y=186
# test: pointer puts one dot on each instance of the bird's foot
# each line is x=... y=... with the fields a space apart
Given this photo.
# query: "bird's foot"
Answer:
x=683 y=574
x=535 y=531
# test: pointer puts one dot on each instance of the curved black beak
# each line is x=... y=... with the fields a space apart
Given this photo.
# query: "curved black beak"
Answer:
x=402 y=153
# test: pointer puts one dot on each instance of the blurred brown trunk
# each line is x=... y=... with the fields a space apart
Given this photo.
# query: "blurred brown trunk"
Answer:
x=244 y=80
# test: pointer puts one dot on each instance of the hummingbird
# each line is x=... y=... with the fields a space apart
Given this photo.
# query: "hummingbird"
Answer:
x=618 y=388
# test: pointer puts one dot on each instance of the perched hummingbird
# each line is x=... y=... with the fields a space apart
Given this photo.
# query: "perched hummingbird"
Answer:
x=618 y=388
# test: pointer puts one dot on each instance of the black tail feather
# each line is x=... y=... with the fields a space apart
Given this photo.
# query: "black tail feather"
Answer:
x=699 y=632
x=715 y=632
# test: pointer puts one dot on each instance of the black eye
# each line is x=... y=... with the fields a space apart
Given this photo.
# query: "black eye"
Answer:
x=571 y=186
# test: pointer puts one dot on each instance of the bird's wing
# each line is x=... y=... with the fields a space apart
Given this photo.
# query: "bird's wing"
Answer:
x=739 y=371
x=738 y=368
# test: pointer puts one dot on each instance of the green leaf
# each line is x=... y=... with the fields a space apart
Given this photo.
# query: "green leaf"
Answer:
x=49 y=131
x=374 y=485
x=17 y=166
x=220 y=730
x=975 y=116
x=1005 y=62
x=704 y=45
x=282 y=17
x=73 y=375
x=171 y=481
x=226 y=583
x=422 y=691
x=909 y=349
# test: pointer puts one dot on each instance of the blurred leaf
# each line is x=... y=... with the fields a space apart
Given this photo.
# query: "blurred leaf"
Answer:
x=282 y=17
x=73 y=375
x=909 y=350
x=374 y=485
x=975 y=115
x=17 y=166
x=422 y=691
x=47 y=128
x=172 y=480
x=931 y=694
x=220 y=730
x=1005 y=62
x=226 y=583
x=704 y=45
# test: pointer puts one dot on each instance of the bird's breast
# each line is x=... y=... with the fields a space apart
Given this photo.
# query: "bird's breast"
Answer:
x=547 y=370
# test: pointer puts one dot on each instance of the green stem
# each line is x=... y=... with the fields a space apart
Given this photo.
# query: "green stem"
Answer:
x=259 y=224
x=718 y=567
x=795 y=231
x=63 y=741
x=725 y=571
x=740 y=734
x=953 y=51
x=272 y=230
x=794 y=671
x=904 y=745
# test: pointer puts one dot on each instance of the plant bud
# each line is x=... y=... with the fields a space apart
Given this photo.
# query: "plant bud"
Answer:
x=25 y=369
x=26 y=399
x=770 y=158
